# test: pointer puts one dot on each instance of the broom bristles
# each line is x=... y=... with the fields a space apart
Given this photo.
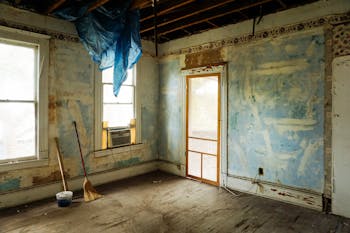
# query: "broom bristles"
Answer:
x=90 y=192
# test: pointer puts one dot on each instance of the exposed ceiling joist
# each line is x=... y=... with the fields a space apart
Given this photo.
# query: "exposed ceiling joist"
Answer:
x=176 y=18
x=55 y=6
x=215 y=16
x=163 y=12
x=140 y=4
x=212 y=24
x=97 y=4
x=189 y=15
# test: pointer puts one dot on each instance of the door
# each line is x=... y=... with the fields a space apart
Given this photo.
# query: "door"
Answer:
x=203 y=128
x=341 y=137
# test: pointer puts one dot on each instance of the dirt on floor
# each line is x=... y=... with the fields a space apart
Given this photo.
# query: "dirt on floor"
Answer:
x=159 y=202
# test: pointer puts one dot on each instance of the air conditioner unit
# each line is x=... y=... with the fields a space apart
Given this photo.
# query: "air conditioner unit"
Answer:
x=118 y=137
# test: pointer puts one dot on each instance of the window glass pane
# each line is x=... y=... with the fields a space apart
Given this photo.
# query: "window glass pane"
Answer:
x=129 y=79
x=126 y=94
x=118 y=114
x=17 y=130
x=17 y=72
x=107 y=76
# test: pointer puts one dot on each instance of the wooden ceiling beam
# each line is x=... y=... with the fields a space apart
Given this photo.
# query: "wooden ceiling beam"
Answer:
x=55 y=6
x=97 y=4
x=212 y=24
x=215 y=16
x=163 y=12
x=189 y=15
x=140 y=4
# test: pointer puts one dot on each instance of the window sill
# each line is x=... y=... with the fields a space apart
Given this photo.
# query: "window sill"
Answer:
x=10 y=166
x=118 y=150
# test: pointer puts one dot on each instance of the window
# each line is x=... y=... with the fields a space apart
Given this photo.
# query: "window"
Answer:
x=23 y=96
x=114 y=114
x=118 y=111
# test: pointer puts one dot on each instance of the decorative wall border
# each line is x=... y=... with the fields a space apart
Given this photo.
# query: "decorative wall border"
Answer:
x=270 y=33
x=52 y=34
x=215 y=68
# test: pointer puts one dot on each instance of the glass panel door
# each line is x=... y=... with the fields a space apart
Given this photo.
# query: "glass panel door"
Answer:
x=203 y=127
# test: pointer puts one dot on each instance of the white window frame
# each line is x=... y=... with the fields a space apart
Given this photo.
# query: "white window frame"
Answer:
x=99 y=111
x=42 y=41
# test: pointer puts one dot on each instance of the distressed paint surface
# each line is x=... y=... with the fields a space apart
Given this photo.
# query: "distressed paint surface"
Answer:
x=71 y=97
x=171 y=124
x=148 y=81
x=276 y=98
x=10 y=184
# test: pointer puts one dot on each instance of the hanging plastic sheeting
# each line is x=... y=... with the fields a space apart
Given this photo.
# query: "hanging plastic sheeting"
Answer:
x=111 y=35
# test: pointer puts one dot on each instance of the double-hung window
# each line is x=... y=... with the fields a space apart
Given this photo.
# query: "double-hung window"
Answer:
x=118 y=111
x=23 y=96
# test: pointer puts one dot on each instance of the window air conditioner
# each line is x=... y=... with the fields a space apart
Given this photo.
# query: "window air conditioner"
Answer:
x=118 y=137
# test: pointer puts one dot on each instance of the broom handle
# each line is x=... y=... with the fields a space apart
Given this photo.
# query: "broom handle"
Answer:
x=60 y=163
x=81 y=154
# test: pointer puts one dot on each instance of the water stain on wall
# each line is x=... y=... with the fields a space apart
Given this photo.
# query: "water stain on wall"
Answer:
x=54 y=176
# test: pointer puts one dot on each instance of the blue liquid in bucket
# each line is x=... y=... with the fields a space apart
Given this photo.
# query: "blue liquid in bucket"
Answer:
x=63 y=202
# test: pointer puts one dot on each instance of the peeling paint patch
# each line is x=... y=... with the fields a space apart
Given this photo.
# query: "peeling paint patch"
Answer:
x=206 y=57
x=276 y=111
x=10 y=184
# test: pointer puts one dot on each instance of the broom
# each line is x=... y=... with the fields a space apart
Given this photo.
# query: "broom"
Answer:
x=90 y=193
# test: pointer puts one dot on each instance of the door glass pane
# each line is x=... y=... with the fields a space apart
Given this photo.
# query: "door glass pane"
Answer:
x=209 y=167
x=194 y=164
x=203 y=146
x=126 y=94
x=17 y=72
x=17 y=130
x=118 y=114
x=203 y=107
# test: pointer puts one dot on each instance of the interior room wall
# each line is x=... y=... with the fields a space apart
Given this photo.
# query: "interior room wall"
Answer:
x=279 y=100
x=71 y=97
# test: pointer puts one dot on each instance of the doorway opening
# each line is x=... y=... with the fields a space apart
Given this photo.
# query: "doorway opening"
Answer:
x=203 y=127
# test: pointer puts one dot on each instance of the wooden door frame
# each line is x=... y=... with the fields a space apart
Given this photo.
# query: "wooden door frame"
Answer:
x=218 y=154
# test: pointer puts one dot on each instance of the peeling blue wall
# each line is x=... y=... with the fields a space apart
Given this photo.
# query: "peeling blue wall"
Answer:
x=170 y=111
x=275 y=110
x=10 y=184
x=276 y=99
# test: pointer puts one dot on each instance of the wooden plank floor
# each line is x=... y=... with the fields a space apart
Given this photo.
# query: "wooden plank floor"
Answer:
x=174 y=204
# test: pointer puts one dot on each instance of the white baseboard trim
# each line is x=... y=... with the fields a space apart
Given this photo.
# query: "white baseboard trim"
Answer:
x=24 y=196
x=172 y=168
x=276 y=192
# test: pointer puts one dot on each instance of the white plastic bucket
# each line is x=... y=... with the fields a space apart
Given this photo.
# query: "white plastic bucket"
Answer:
x=64 y=198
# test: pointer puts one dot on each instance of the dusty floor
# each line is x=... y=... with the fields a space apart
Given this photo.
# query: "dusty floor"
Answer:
x=142 y=204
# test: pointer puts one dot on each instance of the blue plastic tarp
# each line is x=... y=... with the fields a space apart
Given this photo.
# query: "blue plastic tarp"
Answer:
x=111 y=36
